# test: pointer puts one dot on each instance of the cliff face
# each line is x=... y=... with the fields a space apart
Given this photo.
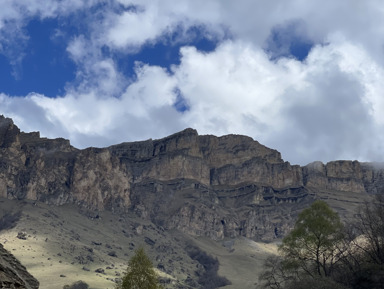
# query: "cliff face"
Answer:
x=54 y=172
x=14 y=275
x=203 y=185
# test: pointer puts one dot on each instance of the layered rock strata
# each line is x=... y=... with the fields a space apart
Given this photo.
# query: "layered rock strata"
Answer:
x=203 y=185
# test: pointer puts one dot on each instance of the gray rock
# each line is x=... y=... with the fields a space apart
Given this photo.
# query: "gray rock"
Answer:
x=203 y=185
x=13 y=274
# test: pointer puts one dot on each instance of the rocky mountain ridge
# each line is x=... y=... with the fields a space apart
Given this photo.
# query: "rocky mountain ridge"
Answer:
x=203 y=185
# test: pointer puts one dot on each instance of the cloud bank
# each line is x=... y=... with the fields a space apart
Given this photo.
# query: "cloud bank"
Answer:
x=304 y=78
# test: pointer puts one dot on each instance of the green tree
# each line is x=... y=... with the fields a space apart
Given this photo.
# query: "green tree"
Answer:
x=313 y=247
x=320 y=253
x=140 y=273
x=310 y=253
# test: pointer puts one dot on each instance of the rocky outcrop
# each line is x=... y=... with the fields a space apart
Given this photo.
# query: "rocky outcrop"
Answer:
x=203 y=185
x=54 y=172
x=14 y=275
x=345 y=176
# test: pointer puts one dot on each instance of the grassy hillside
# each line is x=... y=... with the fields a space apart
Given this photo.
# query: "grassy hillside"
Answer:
x=65 y=244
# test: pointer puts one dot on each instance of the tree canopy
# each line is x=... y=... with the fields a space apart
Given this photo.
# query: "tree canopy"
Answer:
x=322 y=253
x=140 y=273
x=313 y=244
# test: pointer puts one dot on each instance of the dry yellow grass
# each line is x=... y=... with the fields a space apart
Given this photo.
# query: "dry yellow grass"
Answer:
x=58 y=237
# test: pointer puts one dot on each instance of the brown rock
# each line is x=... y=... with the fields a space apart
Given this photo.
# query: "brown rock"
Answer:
x=203 y=185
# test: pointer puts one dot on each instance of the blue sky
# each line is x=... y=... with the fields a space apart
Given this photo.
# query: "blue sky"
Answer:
x=300 y=77
x=46 y=66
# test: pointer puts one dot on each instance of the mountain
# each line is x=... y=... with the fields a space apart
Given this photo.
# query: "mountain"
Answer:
x=202 y=185
x=219 y=188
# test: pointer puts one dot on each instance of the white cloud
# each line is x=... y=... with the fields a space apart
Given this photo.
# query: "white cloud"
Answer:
x=370 y=74
x=124 y=30
x=322 y=107
x=154 y=88
x=152 y=20
x=78 y=49
x=327 y=107
x=235 y=82
x=144 y=110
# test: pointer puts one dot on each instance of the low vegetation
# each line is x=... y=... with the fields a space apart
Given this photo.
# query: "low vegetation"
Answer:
x=209 y=279
x=77 y=285
x=9 y=220
x=321 y=252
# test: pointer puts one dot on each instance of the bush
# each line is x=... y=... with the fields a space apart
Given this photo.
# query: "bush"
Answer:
x=77 y=285
x=209 y=279
x=9 y=220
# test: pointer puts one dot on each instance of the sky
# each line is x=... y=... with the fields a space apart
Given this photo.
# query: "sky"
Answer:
x=303 y=77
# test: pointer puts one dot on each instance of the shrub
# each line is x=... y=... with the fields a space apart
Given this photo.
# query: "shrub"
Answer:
x=77 y=285
x=9 y=220
x=209 y=279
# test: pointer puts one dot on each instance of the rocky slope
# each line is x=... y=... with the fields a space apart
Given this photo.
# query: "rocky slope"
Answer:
x=210 y=186
x=14 y=275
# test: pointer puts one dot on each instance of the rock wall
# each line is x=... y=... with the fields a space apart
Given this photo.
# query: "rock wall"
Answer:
x=203 y=185
x=14 y=275
x=54 y=172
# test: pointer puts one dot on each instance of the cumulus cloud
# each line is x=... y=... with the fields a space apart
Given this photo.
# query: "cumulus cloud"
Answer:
x=330 y=117
x=327 y=106
x=144 y=110
x=320 y=107
x=235 y=82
